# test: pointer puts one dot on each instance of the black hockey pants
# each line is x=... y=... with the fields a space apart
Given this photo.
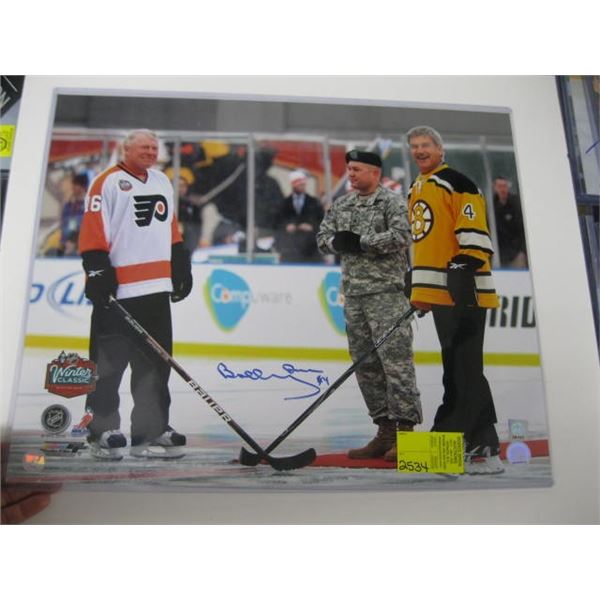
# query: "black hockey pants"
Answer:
x=467 y=404
x=114 y=346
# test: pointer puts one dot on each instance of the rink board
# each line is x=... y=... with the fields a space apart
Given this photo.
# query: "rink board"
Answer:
x=263 y=311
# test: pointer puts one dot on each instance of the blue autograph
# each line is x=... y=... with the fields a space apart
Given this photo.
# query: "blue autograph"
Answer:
x=291 y=373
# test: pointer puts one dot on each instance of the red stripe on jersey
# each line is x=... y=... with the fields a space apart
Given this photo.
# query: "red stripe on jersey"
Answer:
x=91 y=236
x=144 y=271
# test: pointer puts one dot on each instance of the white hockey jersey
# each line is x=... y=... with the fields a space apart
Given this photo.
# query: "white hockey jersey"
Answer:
x=135 y=222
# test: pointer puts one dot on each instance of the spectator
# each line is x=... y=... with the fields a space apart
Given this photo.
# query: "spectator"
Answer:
x=190 y=213
x=299 y=219
x=71 y=215
x=509 y=225
x=268 y=194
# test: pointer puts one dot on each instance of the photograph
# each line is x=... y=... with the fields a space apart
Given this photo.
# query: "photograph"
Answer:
x=298 y=287
x=206 y=243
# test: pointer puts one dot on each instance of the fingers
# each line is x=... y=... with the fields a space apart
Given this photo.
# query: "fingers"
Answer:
x=25 y=505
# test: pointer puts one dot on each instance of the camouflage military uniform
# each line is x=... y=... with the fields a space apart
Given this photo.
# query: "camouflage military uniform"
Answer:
x=372 y=283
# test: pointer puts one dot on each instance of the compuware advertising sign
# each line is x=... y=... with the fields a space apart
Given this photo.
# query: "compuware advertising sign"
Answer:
x=261 y=306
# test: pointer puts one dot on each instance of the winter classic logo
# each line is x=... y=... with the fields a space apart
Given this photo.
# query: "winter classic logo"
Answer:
x=332 y=302
x=70 y=375
x=228 y=297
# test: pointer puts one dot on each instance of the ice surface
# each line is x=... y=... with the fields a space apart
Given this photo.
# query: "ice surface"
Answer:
x=257 y=403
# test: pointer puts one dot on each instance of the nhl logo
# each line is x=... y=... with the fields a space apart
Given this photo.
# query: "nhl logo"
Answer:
x=70 y=375
x=125 y=185
x=55 y=419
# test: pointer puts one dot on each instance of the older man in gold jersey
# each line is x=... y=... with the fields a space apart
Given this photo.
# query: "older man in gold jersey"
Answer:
x=452 y=277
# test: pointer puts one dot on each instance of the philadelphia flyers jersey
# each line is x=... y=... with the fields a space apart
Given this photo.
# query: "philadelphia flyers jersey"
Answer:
x=134 y=221
x=448 y=217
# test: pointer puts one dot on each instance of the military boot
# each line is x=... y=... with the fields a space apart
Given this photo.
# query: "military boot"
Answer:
x=384 y=439
x=392 y=454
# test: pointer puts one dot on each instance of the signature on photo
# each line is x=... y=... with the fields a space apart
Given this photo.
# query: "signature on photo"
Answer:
x=312 y=378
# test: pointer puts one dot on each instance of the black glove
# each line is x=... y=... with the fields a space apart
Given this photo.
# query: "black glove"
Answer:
x=347 y=241
x=181 y=272
x=101 y=281
x=461 y=279
x=407 y=284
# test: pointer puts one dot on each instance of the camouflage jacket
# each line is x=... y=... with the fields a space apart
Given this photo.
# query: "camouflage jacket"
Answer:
x=381 y=220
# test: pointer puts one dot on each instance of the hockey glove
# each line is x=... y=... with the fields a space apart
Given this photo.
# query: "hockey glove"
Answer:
x=181 y=272
x=461 y=279
x=101 y=281
x=347 y=241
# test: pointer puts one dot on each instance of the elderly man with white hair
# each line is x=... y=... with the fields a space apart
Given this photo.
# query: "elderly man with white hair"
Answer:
x=132 y=249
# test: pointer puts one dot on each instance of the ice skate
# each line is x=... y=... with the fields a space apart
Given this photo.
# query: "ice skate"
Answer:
x=167 y=445
x=480 y=461
x=108 y=446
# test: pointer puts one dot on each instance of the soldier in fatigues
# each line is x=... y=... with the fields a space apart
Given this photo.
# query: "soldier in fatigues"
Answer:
x=369 y=229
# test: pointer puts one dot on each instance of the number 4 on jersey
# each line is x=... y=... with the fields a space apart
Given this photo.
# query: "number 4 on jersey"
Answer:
x=468 y=211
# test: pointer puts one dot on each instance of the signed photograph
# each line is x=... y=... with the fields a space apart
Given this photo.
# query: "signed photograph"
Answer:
x=260 y=293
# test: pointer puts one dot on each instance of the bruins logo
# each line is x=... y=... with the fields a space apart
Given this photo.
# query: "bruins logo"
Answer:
x=421 y=219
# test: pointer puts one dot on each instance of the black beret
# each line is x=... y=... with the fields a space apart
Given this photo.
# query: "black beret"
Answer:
x=364 y=157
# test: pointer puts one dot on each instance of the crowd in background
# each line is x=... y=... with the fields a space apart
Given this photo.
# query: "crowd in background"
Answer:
x=212 y=199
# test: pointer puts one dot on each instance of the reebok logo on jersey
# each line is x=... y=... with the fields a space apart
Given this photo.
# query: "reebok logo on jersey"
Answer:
x=97 y=273
x=146 y=207
x=457 y=266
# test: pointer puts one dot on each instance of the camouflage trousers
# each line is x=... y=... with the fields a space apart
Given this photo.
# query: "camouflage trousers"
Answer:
x=387 y=377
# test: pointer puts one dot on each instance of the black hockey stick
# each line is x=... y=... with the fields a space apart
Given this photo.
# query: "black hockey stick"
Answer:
x=249 y=459
x=280 y=464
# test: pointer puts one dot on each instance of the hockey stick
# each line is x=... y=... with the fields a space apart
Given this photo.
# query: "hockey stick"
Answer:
x=249 y=459
x=280 y=464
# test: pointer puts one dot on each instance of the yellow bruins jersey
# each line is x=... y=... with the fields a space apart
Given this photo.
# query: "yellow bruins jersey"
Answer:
x=448 y=217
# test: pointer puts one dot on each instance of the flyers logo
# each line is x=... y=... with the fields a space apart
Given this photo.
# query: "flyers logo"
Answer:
x=150 y=206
